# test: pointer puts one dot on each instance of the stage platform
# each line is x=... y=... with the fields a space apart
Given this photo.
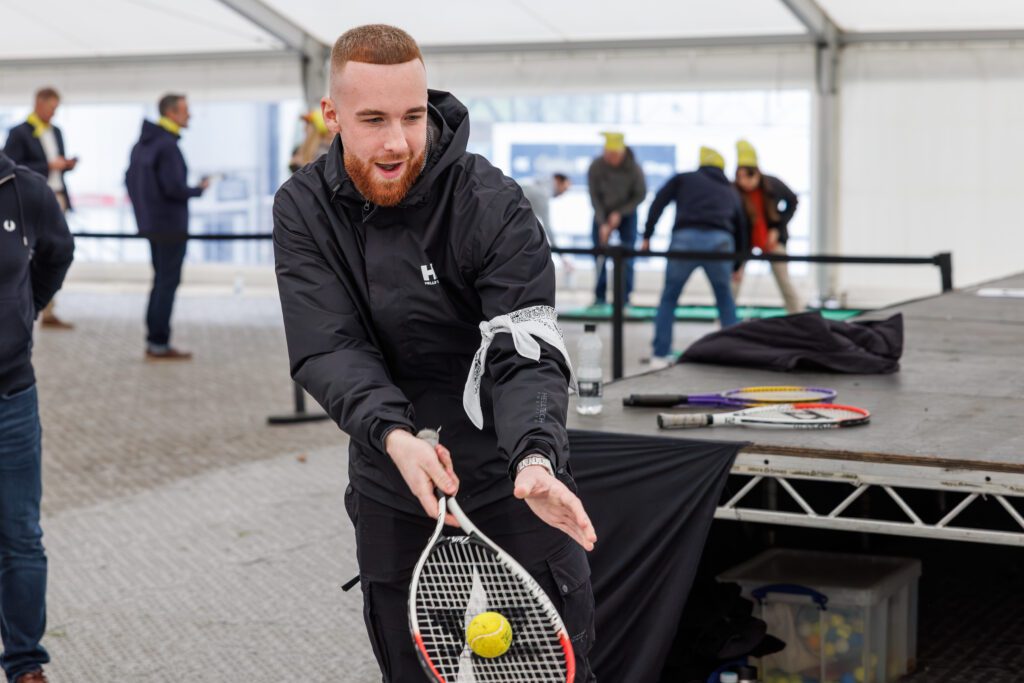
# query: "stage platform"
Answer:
x=948 y=422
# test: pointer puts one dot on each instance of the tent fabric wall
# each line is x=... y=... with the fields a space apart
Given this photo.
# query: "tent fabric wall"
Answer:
x=592 y=71
x=930 y=155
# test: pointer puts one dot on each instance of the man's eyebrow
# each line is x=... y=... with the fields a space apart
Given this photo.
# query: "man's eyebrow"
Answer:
x=378 y=112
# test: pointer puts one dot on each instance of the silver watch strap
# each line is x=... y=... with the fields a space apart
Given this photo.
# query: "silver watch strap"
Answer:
x=535 y=459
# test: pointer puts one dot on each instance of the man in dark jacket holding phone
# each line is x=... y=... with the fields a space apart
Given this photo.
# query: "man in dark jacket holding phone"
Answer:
x=399 y=256
x=36 y=249
x=38 y=144
x=157 y=181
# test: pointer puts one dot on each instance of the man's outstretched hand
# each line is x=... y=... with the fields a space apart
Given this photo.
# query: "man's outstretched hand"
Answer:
x=553 y=502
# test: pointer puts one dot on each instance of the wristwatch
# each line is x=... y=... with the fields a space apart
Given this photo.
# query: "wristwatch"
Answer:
x=535 y=459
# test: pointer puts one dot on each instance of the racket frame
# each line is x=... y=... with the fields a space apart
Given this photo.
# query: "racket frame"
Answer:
x=748 y=418
x=726 y=398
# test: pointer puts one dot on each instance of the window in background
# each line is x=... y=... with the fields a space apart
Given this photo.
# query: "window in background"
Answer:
x=531 y=137
x=247 y=145
x=244 y=145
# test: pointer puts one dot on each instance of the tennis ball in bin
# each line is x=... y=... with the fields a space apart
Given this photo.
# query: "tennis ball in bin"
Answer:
x=489 y=635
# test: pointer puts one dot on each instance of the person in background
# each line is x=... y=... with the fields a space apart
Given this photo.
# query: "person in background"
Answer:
x=36 y=250
x=770 y=206
x=539 y=193
x=157 y=181
x=39 y=145
x=617 y=187
x=710 y=218
x=316 y=143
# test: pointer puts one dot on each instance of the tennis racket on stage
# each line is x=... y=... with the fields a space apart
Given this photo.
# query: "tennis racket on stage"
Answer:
x=742 y=397
x=460 y=577
x=789 y=416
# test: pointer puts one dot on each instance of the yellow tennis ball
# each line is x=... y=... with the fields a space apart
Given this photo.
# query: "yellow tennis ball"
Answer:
x=489 y=634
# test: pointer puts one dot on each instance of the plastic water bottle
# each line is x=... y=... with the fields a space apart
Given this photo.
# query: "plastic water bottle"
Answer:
x=588 y=372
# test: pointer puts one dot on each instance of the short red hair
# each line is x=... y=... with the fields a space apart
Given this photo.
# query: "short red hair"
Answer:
x=374 y=44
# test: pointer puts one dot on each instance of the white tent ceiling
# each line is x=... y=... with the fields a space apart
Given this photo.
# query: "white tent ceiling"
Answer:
x=888 y=56
x=72 y=29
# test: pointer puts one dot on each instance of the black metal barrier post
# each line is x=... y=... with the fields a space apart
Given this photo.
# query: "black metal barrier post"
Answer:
x=618 y=309
x=300 y=414
x=944 y=261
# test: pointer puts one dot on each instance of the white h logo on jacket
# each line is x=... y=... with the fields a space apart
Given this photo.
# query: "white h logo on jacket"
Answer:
x=429 y=276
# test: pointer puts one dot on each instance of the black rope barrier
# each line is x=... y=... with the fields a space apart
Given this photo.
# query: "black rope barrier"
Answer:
x=616 y=254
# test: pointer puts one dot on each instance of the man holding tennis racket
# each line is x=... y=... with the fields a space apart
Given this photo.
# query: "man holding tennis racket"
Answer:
x=405 y=265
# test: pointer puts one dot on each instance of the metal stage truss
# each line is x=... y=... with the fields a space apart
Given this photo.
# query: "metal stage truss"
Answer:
x=791 y=474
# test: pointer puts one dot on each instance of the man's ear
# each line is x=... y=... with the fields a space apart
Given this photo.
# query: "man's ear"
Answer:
x=330 y=115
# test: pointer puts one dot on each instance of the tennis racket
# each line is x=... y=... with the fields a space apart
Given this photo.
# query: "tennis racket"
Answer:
x=789 y=416
x=459 y=577
x=742 y=397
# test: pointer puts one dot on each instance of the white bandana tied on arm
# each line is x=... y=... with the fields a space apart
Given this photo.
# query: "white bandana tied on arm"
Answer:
x=525 y=324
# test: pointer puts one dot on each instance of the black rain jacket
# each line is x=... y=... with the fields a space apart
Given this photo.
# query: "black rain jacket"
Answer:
x=382 y=307
x=36 y=250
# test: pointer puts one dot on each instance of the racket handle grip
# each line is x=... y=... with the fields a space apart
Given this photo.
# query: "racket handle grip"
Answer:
x=433 y=438
x=430 y=436
x=683 y=420
x=653 y=400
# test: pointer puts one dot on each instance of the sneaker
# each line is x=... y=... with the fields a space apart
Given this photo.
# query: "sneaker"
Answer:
x=52 y=322
x=169 y=353
x=32 y=677
x=662 y=362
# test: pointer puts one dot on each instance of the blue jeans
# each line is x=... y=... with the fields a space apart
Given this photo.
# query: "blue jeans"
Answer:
x=167 y=260
x=22 y=560
x=678 y=271
x=627 y=238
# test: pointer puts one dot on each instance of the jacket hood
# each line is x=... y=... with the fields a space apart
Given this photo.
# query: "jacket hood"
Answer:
x=451 y=119
x=714 y=172
x=152 y=133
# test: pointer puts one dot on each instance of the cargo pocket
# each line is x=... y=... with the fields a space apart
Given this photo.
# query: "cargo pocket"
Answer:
x=570 y=571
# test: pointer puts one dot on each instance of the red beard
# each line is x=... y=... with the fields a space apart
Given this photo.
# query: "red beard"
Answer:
x=380 y=191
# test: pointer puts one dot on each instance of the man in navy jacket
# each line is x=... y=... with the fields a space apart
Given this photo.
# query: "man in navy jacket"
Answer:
x=35 y=252
x=709 y=218
x=39 y=145
x=157 y=181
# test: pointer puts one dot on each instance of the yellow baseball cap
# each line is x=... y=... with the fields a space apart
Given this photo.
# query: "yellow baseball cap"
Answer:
x=316 y=117
x=746 y=155
x=614 y=142
x=709 y=157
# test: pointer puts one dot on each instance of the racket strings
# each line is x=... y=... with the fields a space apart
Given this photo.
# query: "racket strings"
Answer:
x=462 y=579
x=809 y=413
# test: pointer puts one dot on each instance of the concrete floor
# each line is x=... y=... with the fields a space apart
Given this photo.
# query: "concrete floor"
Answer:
x=188 y=540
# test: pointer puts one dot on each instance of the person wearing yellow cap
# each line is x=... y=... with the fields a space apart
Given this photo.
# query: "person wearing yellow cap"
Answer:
x=617 y=187
x=316 y=142
x=709 y=218
x=770 y=206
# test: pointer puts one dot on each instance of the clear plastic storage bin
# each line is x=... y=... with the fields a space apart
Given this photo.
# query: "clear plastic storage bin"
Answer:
x=844 y=618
